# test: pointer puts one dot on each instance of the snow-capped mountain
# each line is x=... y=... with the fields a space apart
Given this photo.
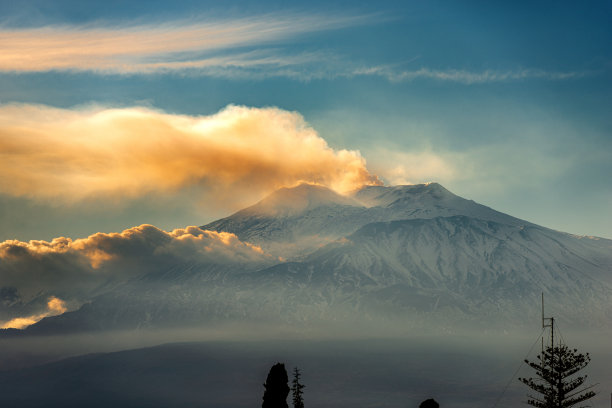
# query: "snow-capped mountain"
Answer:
x=404 y=253
x=292 y=222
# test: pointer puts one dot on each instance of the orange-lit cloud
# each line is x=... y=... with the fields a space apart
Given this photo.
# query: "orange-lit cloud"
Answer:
x=70 y=155
x=152 y=48
x=73 y=269
x=55 y=306
x=145 y=245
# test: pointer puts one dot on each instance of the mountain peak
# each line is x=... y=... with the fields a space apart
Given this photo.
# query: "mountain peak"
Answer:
x=295 y=200
x=293 y=221
x=384 y=196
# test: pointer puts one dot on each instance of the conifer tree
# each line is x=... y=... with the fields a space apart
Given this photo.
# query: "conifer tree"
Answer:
x=296 y=388
x=276 y=387
x=429 y=403
x=555 y=381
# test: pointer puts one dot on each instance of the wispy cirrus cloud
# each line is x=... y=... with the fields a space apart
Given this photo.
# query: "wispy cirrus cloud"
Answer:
x=467 y=77
x=177 y=45
x=307 y=66
x=240 y=48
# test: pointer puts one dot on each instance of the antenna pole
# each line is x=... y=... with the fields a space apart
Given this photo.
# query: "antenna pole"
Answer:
x=552 y=331
x=543 y=310
x=543 y=327
x=548 y=322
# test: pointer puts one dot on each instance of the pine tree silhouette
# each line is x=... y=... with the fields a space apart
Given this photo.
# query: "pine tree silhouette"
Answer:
x=429 y=403
x=276 y=388
x=296 y=388
x=554 y=370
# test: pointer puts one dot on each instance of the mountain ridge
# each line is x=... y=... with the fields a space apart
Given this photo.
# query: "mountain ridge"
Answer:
x=402 y=255
x=292 y=234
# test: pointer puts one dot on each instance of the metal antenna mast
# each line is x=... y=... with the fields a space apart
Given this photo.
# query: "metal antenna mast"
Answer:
x=548 y=322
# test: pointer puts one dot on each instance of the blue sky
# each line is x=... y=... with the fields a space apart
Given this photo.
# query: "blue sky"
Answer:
x=506 y=103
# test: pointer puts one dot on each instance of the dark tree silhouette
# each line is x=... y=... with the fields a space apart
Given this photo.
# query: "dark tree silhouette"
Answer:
x=296 y=389
x=429 y=403
x=554 y=382
x=276 y=388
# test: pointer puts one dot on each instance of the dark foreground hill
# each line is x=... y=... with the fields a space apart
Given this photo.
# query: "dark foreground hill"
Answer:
x=392 y=374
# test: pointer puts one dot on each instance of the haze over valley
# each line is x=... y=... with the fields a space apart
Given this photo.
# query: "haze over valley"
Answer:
x=379 y=194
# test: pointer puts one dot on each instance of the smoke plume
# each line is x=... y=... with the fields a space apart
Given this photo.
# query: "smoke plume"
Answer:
x=73 y=155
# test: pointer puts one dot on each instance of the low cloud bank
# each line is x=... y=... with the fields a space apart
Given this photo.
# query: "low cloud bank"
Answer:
x=55 y=306
x=72 y=269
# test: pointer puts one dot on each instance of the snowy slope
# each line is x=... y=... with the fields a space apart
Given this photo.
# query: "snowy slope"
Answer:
x=424 y=201
x=453 y=266
x=401 y=255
